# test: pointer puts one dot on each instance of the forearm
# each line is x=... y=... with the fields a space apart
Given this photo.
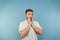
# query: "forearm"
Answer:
x=37 y=30
x=24 y=32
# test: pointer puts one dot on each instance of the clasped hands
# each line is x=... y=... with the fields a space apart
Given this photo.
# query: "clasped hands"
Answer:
x=30 y=22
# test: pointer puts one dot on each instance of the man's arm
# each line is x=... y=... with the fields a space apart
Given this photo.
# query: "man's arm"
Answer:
x=24 y=32
x=36 y=29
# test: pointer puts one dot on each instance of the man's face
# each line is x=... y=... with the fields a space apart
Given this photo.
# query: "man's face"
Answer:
x=29 y=15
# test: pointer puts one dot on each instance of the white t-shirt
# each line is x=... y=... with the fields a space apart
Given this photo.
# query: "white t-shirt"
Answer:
x=32 y=35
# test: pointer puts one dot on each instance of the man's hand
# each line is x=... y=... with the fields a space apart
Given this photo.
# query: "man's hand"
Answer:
x=25 y=31
x=36 y=29
x=30 y=22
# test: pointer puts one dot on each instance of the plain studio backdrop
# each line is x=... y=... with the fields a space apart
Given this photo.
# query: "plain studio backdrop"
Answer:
x=46 y=12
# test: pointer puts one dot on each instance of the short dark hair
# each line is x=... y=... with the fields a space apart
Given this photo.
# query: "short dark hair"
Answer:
x=28 y=10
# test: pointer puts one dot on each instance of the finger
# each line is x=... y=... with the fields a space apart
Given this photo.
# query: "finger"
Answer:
x=32 y=20
x=28 y=20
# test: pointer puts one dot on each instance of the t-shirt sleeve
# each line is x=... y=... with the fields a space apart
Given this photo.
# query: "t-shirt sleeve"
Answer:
x=38 y=25
x=21 y=26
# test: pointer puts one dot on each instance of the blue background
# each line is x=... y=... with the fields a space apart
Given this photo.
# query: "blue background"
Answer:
x=46 y=12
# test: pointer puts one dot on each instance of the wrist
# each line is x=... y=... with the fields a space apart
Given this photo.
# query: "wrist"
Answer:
x=29 y=25
x=32 y=25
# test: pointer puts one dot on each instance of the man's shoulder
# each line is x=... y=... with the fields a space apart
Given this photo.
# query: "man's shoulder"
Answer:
x=23 y=22
x=36 y=22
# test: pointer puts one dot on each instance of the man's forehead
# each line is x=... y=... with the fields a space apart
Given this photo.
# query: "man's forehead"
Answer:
x=29 y=12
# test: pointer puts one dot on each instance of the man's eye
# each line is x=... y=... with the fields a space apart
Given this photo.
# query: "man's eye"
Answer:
x=29 y=14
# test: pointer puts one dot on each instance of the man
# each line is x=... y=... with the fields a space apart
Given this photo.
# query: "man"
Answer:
x=29 y=28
